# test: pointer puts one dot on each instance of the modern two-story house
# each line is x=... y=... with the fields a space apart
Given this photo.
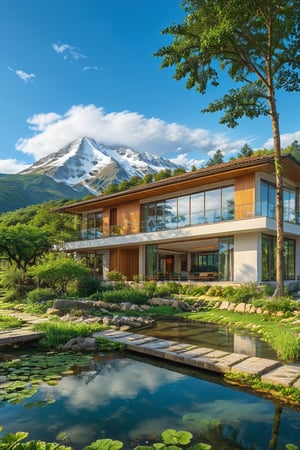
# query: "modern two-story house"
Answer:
x=216 y=224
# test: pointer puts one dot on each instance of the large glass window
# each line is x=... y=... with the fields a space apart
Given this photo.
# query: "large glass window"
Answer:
x=226 y=247
x=92 y=225
x=209 y=206
x=204 y=262
x=227 y=203
x=151 y=260
x=289 y=205
x=171 y=213
x=213 y=206
x=268 y=202
x=197 y=208
x=269 y=258
x=183 y=216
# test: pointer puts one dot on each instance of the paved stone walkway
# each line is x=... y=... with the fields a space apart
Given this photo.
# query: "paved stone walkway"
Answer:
x=269 y=370
x=23 y=334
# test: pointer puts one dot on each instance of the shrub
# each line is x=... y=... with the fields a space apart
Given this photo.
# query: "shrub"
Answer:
x=280 y=304
x=135 y=296
x=246 y=292
x=88 y=285
x=194 y=290
x=228 y=292
x=149 y=287
x=40 y=295
x=214 y=291
x=114 y=275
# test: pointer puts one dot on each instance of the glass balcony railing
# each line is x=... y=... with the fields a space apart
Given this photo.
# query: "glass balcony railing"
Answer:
x=168 y=222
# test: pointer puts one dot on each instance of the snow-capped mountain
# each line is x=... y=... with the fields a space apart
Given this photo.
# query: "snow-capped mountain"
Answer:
x=86 y=163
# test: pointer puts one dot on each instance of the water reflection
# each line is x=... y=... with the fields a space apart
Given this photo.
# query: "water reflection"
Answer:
x=211 y=336
x=104 y=384
x=135 y=401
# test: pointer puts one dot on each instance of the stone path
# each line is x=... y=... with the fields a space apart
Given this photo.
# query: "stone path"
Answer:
x=23 y=334
x=270 y=371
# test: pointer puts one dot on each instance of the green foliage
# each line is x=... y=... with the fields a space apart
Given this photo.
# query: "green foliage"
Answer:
x=171 y=439
x=114 y=275
x=59 y=226
x=59 y=271
x=24 y=375
x=104 y=444
x=293 y=149
x=109 y=346
x=57 y=332
x=149 y=288
x=40 y=295
x=7 y=322
x=193 y=289
x=88 y=286
x=17 y=191
x=245 y=151
x=287 y=343
x=283 y=304
x=133 y=295
x=217 y=158
x=23 y=245
x=162 y=174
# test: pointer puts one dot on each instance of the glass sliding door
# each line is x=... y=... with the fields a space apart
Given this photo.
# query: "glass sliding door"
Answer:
x=226 y=252
x=151 y=261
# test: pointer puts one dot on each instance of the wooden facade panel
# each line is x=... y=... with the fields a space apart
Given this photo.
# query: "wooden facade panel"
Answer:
x=125 y=261
x=129 y=217
x=244 y=197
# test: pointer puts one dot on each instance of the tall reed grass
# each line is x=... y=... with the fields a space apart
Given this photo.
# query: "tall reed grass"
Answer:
x=57 y=333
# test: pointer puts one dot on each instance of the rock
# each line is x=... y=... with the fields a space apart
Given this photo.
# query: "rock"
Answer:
x=224 y=305
x=80 y=344
x=53 y=312
x=241 y=308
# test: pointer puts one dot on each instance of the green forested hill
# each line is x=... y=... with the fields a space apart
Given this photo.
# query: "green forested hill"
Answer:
x=18 y=191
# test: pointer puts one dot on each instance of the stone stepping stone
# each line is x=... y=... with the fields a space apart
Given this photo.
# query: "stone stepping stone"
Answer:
x=256 y=366
x=286 y=375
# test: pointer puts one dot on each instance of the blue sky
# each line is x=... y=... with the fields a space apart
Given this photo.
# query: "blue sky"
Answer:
x=71 y=68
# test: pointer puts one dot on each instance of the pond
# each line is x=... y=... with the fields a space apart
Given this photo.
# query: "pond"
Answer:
x=209 y=335
x=135 y=399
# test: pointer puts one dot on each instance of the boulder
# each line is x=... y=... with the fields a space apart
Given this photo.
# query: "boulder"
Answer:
x=80 y=344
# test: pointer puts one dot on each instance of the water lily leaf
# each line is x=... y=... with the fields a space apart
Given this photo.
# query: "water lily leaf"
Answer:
x=104 y=444
x=176 y=437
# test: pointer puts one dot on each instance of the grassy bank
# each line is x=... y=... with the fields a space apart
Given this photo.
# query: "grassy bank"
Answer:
x=282 y=334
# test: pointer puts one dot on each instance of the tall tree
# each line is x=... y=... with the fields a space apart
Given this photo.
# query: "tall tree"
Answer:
x=257 y=42
x=217 y=158
x=245 y=151
x=23 y=245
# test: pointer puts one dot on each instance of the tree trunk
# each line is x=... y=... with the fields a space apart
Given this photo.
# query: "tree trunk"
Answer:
x=279 y=291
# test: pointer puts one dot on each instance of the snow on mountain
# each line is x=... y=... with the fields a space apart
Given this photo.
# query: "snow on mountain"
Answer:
x=86 y=163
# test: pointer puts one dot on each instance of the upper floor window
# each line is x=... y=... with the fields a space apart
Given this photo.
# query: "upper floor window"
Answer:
x=267 y=205
x=92 y=225
x=209 y=206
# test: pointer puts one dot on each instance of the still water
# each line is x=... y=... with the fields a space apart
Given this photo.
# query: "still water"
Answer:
x=209 y=335
x=134 y=401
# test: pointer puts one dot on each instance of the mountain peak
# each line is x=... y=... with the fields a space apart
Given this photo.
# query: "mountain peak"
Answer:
x=87 y=163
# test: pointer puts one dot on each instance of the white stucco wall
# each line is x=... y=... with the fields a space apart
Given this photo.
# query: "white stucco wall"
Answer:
x=246 y=257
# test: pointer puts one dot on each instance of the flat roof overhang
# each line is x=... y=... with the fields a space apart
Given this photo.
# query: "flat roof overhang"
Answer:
x=197 y=178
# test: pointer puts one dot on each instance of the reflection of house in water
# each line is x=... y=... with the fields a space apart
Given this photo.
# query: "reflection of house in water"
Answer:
x=244 y=344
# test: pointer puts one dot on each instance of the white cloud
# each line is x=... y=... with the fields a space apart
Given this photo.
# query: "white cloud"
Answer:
x=91 y=68
x=12 y=166
x=39 y=122
x=23 y=75
x=131 y=129
x=286 y=140
x=68 y=51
